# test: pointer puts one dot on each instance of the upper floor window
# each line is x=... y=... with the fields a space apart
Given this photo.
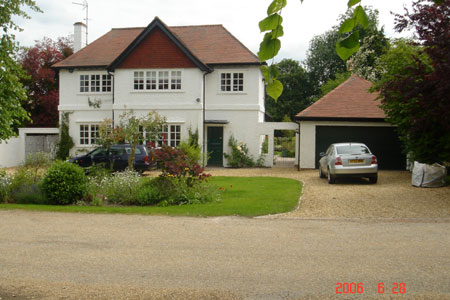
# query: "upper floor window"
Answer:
x=95 y=83
x=232 y=82
x=157 y=80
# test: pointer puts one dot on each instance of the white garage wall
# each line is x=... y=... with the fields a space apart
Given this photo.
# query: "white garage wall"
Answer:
x=12 y=152
x=308 y=138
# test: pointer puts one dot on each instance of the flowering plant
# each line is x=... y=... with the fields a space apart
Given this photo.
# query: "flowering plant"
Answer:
x=239 y=157
x=175 y=163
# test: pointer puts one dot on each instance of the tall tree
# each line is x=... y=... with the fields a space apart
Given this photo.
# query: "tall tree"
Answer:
x=297 y=91
x=42 y=81
x=12 y=92
x=416 y=90
x=322 y=61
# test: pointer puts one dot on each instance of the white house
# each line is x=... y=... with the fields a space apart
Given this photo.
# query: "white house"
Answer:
x=199 y=77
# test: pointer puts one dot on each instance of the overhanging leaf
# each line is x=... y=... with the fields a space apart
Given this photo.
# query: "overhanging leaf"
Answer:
x=277 y=32
x=273 y=72
x=265 y=72
x=276 y=6
x=346 y=47
x=347 y=25
x=270 y=73
x=438 y=1
x=270 y=23
x=360 y=16
x=274 y=89
x=352 y=2
x=269 y=47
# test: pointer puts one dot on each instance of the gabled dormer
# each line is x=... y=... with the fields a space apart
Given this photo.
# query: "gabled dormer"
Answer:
x=157 y=47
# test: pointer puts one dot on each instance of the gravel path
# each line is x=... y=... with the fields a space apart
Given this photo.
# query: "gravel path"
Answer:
x=392 y=197
x=47 y=255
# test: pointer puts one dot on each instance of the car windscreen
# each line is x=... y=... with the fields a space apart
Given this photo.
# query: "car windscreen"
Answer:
x=352 y=149
x=98 y=152
x=117 y=151
x=138 y=151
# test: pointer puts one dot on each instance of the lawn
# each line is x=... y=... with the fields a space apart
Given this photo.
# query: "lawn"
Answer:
x=243 y=196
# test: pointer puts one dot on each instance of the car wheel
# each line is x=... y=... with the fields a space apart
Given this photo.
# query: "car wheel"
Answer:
x=331 y=178
x=321 y=175
x=373 y=179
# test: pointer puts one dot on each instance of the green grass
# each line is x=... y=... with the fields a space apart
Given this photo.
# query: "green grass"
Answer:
x=243 y=196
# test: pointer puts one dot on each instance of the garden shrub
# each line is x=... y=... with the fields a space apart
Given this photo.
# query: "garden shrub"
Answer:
x=239 y=157
x=118 y=188
x=25 y=187
x=176 y=163
x=65 y=142
x=170 y=190
x=38 y=160
x=64 y=183
x=5 y=182
x=148 y=195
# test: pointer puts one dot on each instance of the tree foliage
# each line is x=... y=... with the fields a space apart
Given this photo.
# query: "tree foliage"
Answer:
x=322 y=61
x=42 y=81
x=12 y=92
x=65 y=142
x=414 y=85
x=297 y=91
x=273 y=26
x=130 y=129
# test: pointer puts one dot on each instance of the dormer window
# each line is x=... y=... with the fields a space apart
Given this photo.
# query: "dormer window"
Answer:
x=157 y=80
x=232 y=82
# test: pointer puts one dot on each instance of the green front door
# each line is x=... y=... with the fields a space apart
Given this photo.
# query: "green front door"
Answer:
x=215 y=146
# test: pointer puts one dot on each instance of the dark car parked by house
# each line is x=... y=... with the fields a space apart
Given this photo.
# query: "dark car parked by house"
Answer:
x=117 y=155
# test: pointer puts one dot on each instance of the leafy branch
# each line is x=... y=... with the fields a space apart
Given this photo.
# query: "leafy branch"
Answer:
x=273 y=28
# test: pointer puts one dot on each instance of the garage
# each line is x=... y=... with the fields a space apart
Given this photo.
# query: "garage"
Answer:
x=349 y=113
x=382 y=141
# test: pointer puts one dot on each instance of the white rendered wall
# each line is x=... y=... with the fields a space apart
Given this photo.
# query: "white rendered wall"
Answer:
x=12 y=151
x=191 y=89
x=70 y=97
x=244 y=111
x=252 y=98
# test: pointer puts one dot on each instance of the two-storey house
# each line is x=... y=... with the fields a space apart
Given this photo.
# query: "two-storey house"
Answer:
x=199 y=77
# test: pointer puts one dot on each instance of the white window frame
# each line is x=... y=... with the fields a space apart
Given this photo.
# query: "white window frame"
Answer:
x=232 y=82
x=88 y=134
x=159 y=80
x=95 y=83
x=170 y=135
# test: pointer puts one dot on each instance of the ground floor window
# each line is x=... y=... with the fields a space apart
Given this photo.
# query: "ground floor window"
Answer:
x=170 y=135
x=88 y=134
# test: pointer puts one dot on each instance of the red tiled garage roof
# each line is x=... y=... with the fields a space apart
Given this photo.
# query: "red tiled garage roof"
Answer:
x=350 y=100
x=211 y=44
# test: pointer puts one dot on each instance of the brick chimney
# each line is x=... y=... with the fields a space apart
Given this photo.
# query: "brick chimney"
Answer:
x=79 y=36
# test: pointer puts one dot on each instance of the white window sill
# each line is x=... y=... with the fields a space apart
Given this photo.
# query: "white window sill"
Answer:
x=94 y=94
x=231 y=93
x=156 y=91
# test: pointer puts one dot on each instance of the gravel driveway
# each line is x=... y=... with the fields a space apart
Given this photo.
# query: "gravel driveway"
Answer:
x=392 y=197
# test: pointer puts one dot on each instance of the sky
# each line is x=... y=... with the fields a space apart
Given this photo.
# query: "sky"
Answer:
x=301 y=20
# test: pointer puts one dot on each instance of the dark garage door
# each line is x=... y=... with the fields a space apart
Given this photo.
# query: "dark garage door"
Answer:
x=382 y=141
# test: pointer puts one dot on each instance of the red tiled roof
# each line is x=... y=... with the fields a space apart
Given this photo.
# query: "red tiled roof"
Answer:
x=350 y=100
x=211 y=44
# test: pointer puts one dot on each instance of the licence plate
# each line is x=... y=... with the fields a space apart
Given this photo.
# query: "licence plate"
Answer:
x=356 y=161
